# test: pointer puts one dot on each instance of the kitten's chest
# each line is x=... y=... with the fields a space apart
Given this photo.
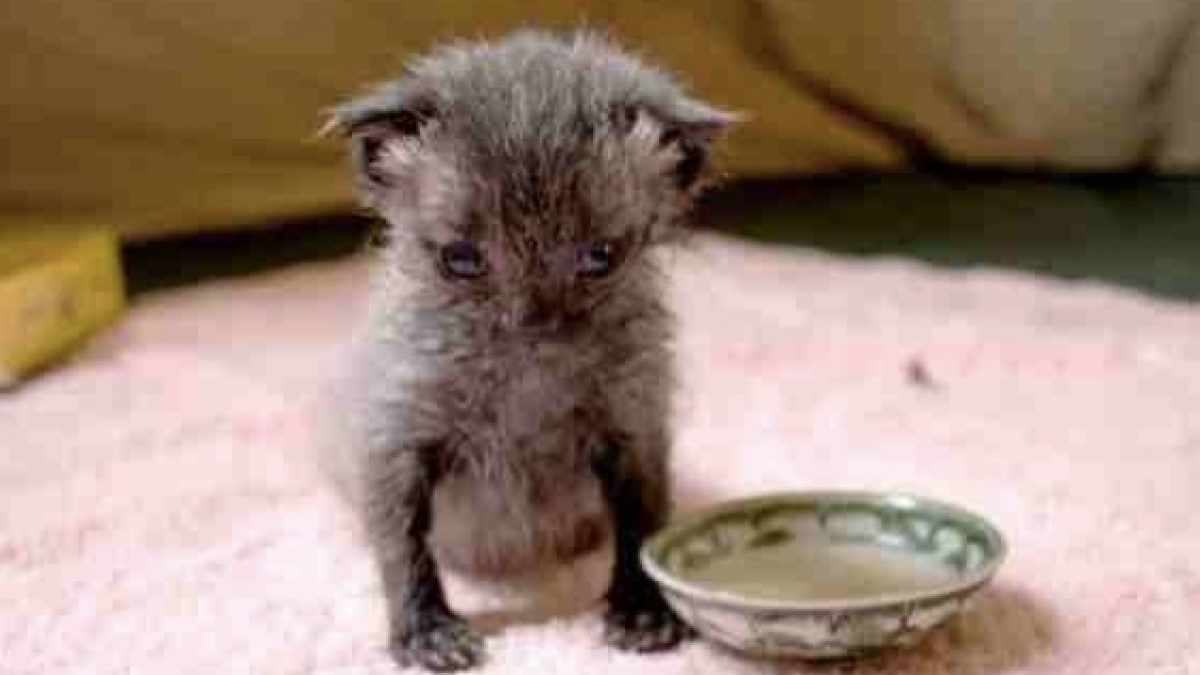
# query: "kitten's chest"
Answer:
x=526 y=402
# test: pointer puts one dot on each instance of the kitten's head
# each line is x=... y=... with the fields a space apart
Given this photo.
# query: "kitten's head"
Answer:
x=528 y=179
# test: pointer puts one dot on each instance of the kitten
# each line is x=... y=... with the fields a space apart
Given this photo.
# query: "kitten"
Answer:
x=508 y=402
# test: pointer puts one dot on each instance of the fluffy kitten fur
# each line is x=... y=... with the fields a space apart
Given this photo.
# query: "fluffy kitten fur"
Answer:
x=517 y=418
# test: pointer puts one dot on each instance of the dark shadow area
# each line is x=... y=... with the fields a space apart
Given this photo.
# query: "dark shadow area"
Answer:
x=1138 y=231
x=167 y=263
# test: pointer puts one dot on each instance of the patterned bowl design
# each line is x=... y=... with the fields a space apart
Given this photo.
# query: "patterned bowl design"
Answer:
x=962 y=548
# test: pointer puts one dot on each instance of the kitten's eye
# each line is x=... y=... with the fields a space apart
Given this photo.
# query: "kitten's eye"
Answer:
x=462 y=259
x=597 y=258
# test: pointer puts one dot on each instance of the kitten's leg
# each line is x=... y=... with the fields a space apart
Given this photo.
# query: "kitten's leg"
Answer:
x=422 y=628
x=638 y=618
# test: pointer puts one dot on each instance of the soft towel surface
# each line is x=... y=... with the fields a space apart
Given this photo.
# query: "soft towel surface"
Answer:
x=159 y=513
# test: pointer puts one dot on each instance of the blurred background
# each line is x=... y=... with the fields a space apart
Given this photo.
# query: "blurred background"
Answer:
x=1053 y=136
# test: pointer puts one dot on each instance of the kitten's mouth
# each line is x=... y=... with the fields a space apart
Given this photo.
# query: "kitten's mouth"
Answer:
x=543 y=325
x=555 y=332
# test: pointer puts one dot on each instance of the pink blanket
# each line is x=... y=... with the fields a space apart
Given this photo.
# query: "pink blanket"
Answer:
x=159 y=512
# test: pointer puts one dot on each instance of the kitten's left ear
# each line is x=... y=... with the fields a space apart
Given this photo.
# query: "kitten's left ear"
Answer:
x=686 y=127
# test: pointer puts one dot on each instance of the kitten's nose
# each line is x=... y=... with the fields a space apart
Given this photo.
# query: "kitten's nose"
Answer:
x=536 y=314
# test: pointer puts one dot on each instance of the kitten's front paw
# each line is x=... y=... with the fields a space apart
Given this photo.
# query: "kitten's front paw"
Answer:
x=440 y=644
x=644 y=629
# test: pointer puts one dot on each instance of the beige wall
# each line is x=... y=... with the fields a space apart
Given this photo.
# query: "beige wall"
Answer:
x=155 y=117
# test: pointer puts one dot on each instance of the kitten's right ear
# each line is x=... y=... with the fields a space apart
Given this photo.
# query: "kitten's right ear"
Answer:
x=685 y=127
x=385 y=130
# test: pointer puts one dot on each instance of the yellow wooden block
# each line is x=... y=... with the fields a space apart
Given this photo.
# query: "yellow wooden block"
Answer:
x=56 y=291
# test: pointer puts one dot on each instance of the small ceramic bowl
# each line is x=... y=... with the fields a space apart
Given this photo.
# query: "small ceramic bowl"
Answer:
x=823 y=575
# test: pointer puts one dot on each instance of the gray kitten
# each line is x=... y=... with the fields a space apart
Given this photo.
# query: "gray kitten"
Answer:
x=508 y=403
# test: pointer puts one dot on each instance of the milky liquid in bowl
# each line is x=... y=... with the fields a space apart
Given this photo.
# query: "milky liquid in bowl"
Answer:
x=807 y=571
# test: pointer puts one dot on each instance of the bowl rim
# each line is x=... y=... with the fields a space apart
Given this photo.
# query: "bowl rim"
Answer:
x=653 y=548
